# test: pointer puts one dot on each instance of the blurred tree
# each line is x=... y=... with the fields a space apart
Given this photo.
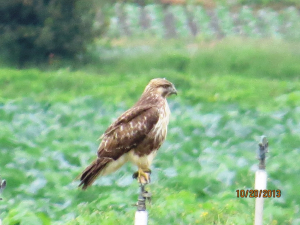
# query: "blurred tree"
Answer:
x=37 y=30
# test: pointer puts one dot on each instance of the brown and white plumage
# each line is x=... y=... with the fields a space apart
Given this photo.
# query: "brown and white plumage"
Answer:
x=135 y=136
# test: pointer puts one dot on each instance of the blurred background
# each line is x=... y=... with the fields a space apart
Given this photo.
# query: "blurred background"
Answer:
x=68 y=68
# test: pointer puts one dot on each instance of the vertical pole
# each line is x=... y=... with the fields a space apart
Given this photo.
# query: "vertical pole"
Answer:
x=141 y=215
x=2 y=186
x=141 y=218
x=261 y=181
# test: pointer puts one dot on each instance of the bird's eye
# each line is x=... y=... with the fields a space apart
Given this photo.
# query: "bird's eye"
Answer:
x=165 y=86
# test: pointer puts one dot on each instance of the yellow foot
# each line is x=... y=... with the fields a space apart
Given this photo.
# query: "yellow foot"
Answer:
x=143 y=176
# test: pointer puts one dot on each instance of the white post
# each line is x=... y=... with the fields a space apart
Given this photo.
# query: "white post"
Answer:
x=141 y=214
x=260 y=185
x=2 y=186
x=141 y=218
x=260 y=181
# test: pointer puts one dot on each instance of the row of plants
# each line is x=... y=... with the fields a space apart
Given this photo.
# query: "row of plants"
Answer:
x=220 y=21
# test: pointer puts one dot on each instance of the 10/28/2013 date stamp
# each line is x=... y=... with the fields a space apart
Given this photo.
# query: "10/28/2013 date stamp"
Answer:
x=258 y=193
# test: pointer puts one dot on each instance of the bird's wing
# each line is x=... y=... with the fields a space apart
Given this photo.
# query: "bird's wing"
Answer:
x=128 y=131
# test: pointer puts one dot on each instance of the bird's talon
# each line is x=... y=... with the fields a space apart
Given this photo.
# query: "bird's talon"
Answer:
x=135 y=175
x=148 y=171
x=143 y=176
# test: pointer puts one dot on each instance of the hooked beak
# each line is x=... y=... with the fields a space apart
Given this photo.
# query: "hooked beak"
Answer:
x=173 y=91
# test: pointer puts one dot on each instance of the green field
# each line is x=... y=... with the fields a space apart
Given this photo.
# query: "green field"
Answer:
x=230 y=93
x=273 y=20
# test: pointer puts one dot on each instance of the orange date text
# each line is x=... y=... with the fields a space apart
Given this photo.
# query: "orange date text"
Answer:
x=258 y=193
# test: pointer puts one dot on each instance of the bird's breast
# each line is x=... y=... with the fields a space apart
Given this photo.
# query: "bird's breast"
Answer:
x=155 y=137
x=161 y=127
x=142 y=161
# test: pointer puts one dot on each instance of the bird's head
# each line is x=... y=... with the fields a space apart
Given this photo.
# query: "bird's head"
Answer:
x=161 y=86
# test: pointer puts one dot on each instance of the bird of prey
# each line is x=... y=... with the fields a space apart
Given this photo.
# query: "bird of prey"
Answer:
x=135 y=136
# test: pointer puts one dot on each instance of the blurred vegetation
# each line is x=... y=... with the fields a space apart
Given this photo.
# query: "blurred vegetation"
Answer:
x=211 y=3
x=230 y=92
x=33 y=32
x=39 y=30
x=274 y=3
x=227 y=71
x=202 y=22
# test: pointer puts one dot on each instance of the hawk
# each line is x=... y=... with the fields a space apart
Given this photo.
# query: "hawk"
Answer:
x=135 y=136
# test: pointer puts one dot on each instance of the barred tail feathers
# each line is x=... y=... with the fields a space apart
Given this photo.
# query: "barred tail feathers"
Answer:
x=90 y=174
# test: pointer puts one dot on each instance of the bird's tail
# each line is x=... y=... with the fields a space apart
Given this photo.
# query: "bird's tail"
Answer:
x=88 y=176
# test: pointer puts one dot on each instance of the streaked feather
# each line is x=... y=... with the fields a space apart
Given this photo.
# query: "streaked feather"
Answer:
x=136 y=135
